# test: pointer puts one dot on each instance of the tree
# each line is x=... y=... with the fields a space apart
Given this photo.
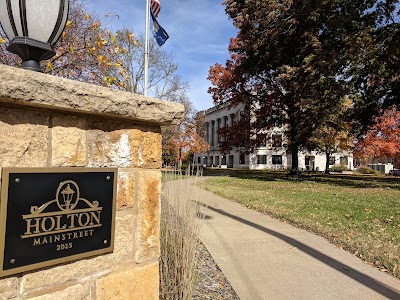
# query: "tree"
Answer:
x=86 y=51
x=183 y=141
x=163 y=80
x=382 y=138
x=371 y=58
x=330 y=139
x=163 y=83
x=277 y=84
x=197 y=134
x=334 y=133
x=7 y=58
x=293 y=62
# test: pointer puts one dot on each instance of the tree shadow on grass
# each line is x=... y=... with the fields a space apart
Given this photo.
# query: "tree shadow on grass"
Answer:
x=354 y=181
x=245 y=174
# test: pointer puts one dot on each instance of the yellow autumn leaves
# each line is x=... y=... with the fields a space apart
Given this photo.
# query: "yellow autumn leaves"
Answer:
x=88 y=51
x=100 y=46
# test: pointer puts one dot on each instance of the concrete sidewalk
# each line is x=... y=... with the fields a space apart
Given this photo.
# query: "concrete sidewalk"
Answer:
x=264 y=258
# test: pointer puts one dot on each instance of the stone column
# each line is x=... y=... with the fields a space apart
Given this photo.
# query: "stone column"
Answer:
x=218 y=135
x=46 y=121
x=212 y=133
x=207 y=137
x=232 y=121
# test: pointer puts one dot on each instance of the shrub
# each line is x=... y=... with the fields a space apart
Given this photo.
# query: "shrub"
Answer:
x=365 y=170
x=339 y=168
x=379 y=173
x=179 y=232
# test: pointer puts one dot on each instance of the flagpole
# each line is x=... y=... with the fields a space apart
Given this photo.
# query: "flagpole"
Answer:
x=146 y=47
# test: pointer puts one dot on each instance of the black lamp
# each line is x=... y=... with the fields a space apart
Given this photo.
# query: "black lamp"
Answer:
x=33 y=27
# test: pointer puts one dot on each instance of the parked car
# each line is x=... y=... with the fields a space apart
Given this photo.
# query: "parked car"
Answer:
x=394 y=172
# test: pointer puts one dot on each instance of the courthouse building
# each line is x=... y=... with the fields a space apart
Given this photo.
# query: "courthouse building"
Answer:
x=272 y=154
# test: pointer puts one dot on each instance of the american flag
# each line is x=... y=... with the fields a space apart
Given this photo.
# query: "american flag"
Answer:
x=155 y=7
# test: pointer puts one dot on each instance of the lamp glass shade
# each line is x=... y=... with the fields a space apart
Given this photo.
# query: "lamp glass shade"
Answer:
x=33 y=27
x=5 y=20
x=41 y=18
x=16 y=16
x=63 y=20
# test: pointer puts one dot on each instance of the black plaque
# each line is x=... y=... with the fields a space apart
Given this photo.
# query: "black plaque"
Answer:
x=55 y=215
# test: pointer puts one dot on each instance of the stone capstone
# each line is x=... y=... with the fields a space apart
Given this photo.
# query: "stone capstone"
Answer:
x=55 y=93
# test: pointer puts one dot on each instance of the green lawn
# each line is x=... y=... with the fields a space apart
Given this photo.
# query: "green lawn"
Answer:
x=360 y=214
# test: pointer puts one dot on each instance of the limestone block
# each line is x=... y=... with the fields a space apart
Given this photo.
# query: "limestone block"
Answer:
x=125 y=189
x=23 y=138
x=123 y=252
x=75 y=292
x=146 y=146
x=131 y=283
x=109 y=149
x=8 y=288
x=148 y=222
x=68 y=145
x=123 y=239
x=123 y=145
x=23 y=87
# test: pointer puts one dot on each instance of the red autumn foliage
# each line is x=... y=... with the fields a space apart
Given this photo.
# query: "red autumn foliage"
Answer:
x=185 y=139
x=382 y=138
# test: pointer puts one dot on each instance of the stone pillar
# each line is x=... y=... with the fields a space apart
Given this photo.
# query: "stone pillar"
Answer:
x=207 y=137
x=212 y=133
x=217 y=130
x=46 y=121
x=232 y=121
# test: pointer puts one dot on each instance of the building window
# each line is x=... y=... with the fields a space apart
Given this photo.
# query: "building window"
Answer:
x=263 y=142
x=223 y=160
x=261 y=159
x=199 y=160
x=241 y=159
x=277 y=140
x=276 y=159
x=211 y=160
x=231 y=161
x=344 y=160
x=217 y=160
x=331 y=160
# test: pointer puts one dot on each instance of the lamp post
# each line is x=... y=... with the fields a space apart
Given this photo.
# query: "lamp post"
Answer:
x=33 y=27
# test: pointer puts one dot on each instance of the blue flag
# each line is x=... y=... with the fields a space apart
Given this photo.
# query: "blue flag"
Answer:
x=159 y=33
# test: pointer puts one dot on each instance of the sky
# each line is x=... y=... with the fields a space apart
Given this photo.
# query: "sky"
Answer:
x=199 y=33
